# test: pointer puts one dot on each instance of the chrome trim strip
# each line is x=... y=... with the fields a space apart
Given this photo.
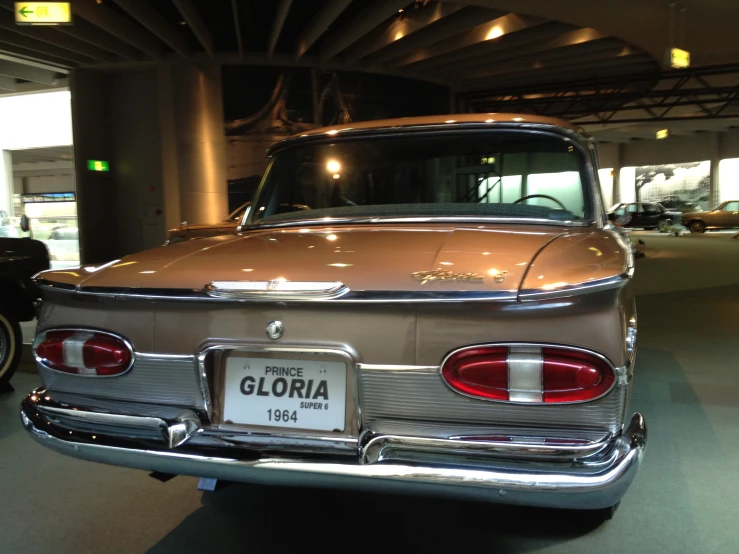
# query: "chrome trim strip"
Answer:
x=278 y=289
x=575 y=289
x=391 y=367
x=344 y=296
x=375 y=448
x=618 y=371
x=41 y=361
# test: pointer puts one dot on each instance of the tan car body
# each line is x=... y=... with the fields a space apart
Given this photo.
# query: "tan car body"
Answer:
x=725 y=216
x=407 y=295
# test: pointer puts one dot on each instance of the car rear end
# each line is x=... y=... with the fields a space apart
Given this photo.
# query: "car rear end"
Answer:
x=408 y=394
x=485 y=356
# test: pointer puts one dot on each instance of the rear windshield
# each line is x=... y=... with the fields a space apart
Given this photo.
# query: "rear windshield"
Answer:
x=510 y=175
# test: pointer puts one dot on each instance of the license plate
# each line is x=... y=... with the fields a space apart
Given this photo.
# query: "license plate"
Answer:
x=304 y=394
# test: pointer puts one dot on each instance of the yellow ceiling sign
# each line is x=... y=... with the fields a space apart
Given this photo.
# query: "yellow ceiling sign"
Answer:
x=42 y=13
x=679 y=58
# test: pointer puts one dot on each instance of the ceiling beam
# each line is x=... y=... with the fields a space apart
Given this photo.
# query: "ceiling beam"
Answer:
x=18 y=39
x=148 y=17
x=491 y=32
x=8 y=83
x=237 y=27
x=480 y=50
x=405 y=24
x=15 y=54
x=505 y=51
x=191 y=16
x=604 y=49
x=318 y=25
x=118 y=26
x=448 y=27
x=593 y=70
x=282 y=9
x=370 y=17
x=27 y=73
x=86 y=31
x=50 y=36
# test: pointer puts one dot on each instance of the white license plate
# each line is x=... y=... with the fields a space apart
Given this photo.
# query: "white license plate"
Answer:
x=304 y=394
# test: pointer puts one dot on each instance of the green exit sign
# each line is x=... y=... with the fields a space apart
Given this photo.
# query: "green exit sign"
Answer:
x=98 y=165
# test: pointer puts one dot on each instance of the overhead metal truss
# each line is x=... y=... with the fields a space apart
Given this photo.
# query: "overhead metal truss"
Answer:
x=690 y=94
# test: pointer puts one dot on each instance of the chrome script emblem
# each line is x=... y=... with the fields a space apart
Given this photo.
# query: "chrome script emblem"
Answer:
x=275 y=329
x=445 y=275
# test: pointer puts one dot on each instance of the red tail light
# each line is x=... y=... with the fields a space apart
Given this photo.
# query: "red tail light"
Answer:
x=83 y=352
x=525 y=374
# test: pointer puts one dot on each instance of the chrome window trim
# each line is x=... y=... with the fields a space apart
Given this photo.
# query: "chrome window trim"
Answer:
x=576 y=138
x=41 y=361
x=618 y=372
x=417 y=219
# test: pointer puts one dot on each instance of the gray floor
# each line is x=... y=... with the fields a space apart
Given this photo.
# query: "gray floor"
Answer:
x=684 y=500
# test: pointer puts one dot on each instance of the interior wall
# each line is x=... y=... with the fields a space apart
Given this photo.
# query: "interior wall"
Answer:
x=673 y=149
x=46 y=183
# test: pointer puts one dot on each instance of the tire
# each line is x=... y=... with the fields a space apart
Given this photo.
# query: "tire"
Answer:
x=697 y=226
x=11 y=344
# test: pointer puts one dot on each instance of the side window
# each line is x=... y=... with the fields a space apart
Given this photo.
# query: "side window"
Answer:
x=651 y=209
x=731 y=207
x=632 y=208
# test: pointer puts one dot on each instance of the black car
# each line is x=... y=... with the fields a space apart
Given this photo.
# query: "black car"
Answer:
x=645 y=215
x=20 y=259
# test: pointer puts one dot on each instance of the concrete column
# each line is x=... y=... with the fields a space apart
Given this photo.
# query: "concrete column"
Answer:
x=97 y=215
x=6 y=181
x=618 y=156
x=192 y=108
x=714 y=192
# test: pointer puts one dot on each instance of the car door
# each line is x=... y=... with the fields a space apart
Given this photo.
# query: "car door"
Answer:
x=636 y=211
x=650 y=214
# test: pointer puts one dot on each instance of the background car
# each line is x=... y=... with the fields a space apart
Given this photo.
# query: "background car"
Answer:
x=674 y=203
x=6 y=227
x=20 y=259
x=645 y=215
x=723 y=216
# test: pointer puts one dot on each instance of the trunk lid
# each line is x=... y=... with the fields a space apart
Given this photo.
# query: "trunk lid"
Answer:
x=431 y=258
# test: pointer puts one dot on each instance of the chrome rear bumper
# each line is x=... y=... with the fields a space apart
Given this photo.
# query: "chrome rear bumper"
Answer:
x=588 y=476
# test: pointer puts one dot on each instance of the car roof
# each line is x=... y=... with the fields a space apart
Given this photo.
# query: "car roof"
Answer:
x=450 y=119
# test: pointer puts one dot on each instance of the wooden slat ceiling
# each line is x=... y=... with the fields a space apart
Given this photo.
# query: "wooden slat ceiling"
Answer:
x=467 y=47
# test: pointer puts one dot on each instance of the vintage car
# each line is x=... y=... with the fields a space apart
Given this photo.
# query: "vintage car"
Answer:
x=645 y=215
x=452 y=314
x=20 y=260
x=723 y=216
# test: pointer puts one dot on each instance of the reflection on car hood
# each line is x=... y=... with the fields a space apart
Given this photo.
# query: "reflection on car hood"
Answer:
x=430 y=258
